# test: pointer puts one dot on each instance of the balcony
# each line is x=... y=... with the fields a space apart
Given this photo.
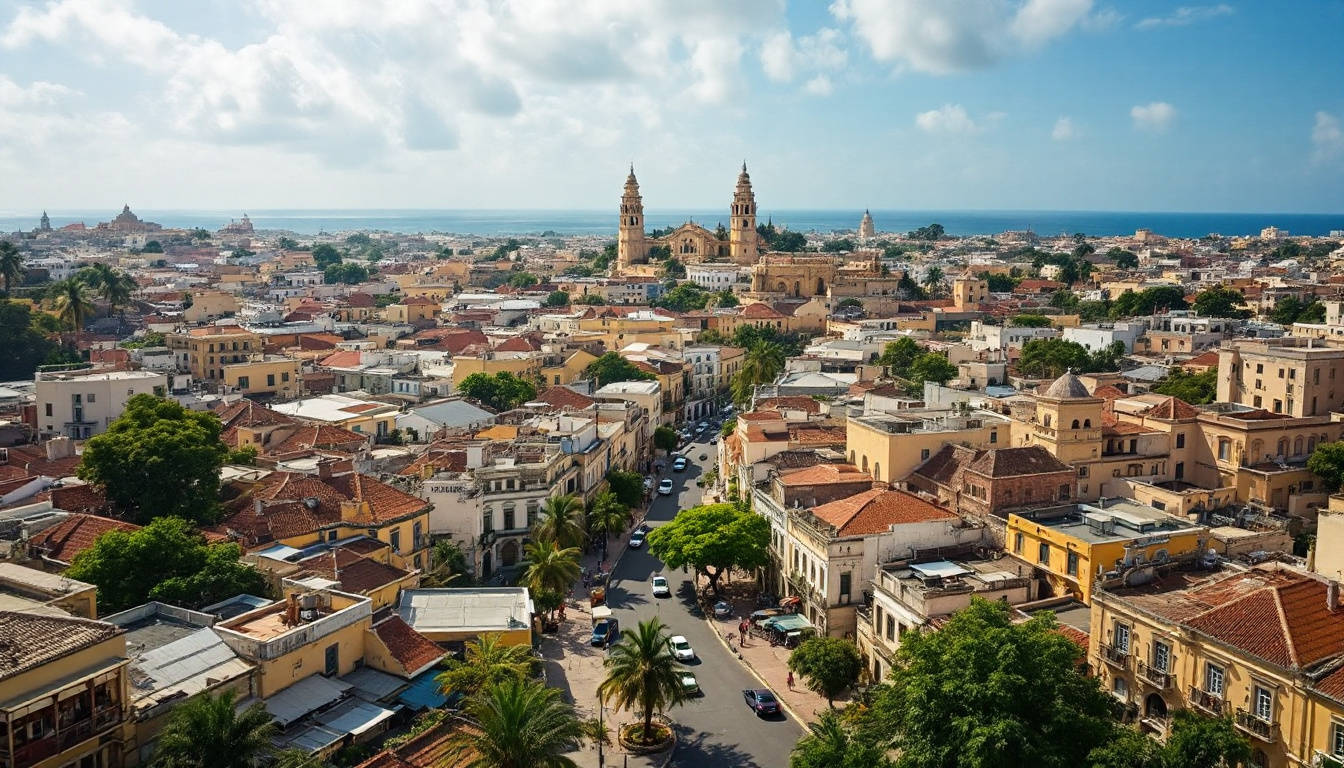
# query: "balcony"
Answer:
x=1155 y=677
x=1116 y=657
x=1212 y=703
x=1250 y=723
x=68 y=737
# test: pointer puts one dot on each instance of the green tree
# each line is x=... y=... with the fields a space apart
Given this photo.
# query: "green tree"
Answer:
x=999 y=282
x=11 y=264
x=550 y=567
x=628 y=487
x=834 y=743
x=70 y=300
x=1122 y=258
x=712 y=539
x=726 y=299
x=523 y=280
x=447 y=565
x=665 y=439
x=1291 y=309
x=25 y=345
x=1128 y=748
x=932 y=366
x=728 y=428
x=1031 y=321
x=607 y=515
x=683 y=298
x=642 y=674
x=501 y=391
x=931 y=232
x=325 y=255
x=986 y=691
x=153 y=246
x=115 y=287
x=789 y=242
x=933 y=278
x=209 y=731
x=762 y=363
x=347 y=273
x=1193 y=388
x=1064 y=299
x=847 y=303
x=488 y=661
x=287 y=243
x=558 y=299
x=158 y=459
x=1327 y=463
x=166 y=560
x=828 y=665
x=1204 y=742
x=560 y=519
x=1052 y=357
x=899 y=355
x=908 y=290
x=841 y=245
x=590 y=299
x=1220 y=301
x=611 y=368
x=1149 y=301
x=518 y=725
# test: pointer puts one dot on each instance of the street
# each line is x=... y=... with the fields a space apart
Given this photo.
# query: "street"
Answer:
x=717 y=728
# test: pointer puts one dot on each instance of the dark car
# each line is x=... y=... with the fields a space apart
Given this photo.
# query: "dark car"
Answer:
x=763 y=702
x=605 y=630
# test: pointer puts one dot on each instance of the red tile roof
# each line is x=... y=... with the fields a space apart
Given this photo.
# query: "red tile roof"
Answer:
x=822 y=474
x=564 y=397
x=63 y=541
x=85 y=498
x=875 y=511
x=760 y=311
x=412 y=650
x=310 y=436
x=295 y=504
x=1172 y=409
x=357 y=574
x=346 y=358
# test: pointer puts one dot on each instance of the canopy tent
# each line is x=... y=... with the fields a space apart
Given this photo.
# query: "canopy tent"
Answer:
x=789 y=623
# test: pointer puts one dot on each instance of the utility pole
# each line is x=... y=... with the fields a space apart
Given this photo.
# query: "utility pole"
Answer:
x=601 y=707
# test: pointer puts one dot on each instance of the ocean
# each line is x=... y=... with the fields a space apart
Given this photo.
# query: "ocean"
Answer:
x=498 y=223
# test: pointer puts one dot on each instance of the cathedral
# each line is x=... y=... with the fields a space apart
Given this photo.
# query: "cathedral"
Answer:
x=690 y=243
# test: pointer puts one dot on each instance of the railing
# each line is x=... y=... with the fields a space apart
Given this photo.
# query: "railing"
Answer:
x=1112 y=655
x=1159 y=678
x=34 y=752
x=1252 y=724
x=1209 y=702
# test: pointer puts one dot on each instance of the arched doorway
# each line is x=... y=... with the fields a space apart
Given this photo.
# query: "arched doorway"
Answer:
x=821 y=287
x=797 y=289
x=1155 y=706
x=486 y=564
x=508 y=554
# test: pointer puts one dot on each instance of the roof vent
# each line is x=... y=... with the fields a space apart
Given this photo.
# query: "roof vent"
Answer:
x=310 y=502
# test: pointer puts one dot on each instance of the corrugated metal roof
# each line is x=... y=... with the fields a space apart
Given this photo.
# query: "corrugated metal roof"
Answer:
x=307 y=695
x=354 y=716
x=372 y=685
x=188 y=665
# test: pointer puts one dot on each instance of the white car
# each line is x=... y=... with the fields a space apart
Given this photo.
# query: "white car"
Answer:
x=665 y=487
x=660 y=588
x=681 y=648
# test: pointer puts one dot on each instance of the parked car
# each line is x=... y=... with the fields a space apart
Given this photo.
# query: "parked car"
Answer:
x=723 y=610
x=680 y=464
x=714 y=440
x=660 y=588
x=665 y=487
x=761 y=701
x=636 y=539
x=606 y=631
x=689 y=685
x=681 y=648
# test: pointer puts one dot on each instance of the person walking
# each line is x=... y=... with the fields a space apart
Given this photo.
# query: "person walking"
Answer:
x=790 y=679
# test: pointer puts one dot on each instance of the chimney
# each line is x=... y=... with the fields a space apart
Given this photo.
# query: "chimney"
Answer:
x=257 y=507
x=324 y=468
x=1332 y=595
x=475 y=456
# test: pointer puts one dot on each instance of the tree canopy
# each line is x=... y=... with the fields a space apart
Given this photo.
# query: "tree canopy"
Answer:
x=665 y=439
x=1031 y=321
x=348 y=273
x=557 y=299
x=1195 y=741
x=1122 y=258
x=984 y=691
x=611 y=368
x=628 y=486
x=500 y=391
x=1053 y=357
x=1193 y=388
x=25 y=345
x=931 y=232
x=828 y=665
x=1327 y=462
x=1149 y=301
x=158 y=460
x=932 y=366
x=712 y=539
x=166 y=560
x=209 y=731
x=683 y=298
x=1221 y=301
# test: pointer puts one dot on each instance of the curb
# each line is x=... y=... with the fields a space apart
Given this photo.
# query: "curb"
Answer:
x=668 y=755
x=743 y=659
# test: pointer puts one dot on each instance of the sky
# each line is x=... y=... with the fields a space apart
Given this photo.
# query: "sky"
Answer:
x=886 y=104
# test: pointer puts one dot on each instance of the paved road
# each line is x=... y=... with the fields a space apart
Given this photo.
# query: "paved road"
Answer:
x=716 y=729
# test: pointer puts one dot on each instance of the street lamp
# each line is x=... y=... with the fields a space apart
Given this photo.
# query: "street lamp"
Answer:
x=601 y=729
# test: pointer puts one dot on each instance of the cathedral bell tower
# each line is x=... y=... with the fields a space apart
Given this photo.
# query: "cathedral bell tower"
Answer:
x=630 y=242
x=742 y=238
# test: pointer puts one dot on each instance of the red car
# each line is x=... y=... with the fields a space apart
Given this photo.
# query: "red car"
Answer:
x=761 y=701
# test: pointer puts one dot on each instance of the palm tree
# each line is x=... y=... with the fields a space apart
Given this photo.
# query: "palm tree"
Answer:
x=551 y=568
x=607 y=515
x=11 y=264
x=488 y=662
x=517 y=725
x=209 y=732
x=71 y=302
x=642 y=674
x=115 y=287
x=831 y=744
x=933 y=279
x=560 y=519
x=761 y=365
x=447 y=564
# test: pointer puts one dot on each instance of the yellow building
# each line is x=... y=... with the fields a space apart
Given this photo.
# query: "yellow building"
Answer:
x=414 y=309
x=273 y=375
x=203 y=352
x=524 y=365
x=1075 y=546
x=1293 y=376
x=889 y=446
x=567 y=370
x=35 y=591
x=1261 y=646
x=64 y=692
x=209 y=305
x=367 y=417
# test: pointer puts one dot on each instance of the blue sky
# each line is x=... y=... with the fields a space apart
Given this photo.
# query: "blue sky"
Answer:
x=886 y=104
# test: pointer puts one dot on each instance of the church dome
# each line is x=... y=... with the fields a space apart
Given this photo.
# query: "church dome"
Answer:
x=1067 y=387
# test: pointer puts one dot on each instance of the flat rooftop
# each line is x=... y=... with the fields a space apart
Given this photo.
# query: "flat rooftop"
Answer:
x=1108 y=521
x=466 y=610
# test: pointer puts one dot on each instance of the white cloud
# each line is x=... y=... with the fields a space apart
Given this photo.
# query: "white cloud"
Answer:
x=1327 y=138
x=1155 y=117
x=939 y=37
x=1187 y=15
x=1065 y=130
x=952 y=118
x=819 y=86
x=783 y=58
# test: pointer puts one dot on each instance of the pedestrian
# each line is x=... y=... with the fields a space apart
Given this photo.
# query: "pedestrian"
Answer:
x=790 y=679
x=741 y=642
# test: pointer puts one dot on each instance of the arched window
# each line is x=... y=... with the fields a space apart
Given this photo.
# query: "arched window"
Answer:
x=1075 y=423
x=1087 y=423
x=877 y=470
x=865 y=463
x=851 y=457
x=1283 y=447
x=1257 y=450
x=1297 y=446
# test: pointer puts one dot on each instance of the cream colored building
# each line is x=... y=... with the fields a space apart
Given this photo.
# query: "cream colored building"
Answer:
x=273 y=375
x=1294 y=376
x=81 y=404
x=203 y=352
x=889 y=446
x=690 y=243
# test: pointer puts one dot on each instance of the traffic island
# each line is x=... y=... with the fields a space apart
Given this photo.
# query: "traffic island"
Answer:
x=631 y=737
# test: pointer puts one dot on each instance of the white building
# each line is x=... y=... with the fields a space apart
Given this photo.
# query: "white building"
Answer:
x=1002 y=337
x=1096 y=336
x=81 y=404
x=719 y=277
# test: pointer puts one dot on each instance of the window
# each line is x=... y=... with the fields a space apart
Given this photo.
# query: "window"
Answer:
x=1263 y=699
x=1280 y=373
x=270 y=379
x=1043 y=556
x=48 y=409
x=1180 y=439
x=395 y=540
x=1082 y=471
x=1161 y=656
x=993 y=436
x=1064 y=492
x=1120 y=686
x=91 y=397
x=1259 y=367
x=1122 y=638
x=1224 y=449
x=488 y=520
x=1278 y=406
x=1213 y=680
x=416 y=531
x=891 y=628
x=243 y=382
x=1017 y=543
x=1072 y=567
x=923 y=454
x=333 y=660
x=1336 y=730
x=508 y=518
x=845 y=582
x=1257 y=401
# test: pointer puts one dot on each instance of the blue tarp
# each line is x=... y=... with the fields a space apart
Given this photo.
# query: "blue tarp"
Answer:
x=424 y=693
